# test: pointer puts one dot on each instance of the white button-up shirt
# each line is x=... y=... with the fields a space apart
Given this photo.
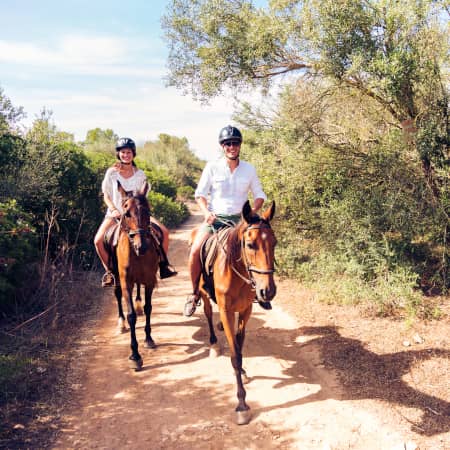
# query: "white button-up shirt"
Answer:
x=109 y=186
x=227 y=192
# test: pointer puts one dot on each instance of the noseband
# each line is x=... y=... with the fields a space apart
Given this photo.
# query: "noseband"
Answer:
x=143 y=232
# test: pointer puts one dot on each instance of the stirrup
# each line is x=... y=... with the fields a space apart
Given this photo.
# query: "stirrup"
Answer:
x=192 y=302
x=108 y=279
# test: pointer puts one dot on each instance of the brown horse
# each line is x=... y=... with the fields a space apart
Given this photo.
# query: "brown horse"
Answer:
x=243 y=268
x=137 y=260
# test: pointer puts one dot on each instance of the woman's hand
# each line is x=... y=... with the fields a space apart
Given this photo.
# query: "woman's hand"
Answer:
x=115 y=213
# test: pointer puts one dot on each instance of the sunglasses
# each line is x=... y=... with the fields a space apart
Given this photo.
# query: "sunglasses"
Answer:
x=232 y=144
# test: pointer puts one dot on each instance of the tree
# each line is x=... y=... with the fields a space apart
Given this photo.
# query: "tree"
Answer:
x=98 y=140
x=380 y=71
x=392 y=52
x=173 y=155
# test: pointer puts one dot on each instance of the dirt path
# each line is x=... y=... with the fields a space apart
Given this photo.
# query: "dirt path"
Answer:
x=183 y=399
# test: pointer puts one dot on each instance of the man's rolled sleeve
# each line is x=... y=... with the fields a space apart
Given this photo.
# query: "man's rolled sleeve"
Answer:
x=204 y=185
x=256 y=188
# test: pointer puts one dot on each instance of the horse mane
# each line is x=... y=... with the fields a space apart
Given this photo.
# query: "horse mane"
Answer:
x=235 y=237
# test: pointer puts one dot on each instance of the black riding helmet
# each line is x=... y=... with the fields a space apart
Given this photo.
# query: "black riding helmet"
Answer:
x=126 y=143
x=229 y=133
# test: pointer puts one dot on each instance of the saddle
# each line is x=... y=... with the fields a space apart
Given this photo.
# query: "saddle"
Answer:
x=208 y=255
x=111 y=238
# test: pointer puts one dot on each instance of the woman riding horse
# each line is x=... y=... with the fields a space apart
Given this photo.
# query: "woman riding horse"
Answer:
x=131 y=178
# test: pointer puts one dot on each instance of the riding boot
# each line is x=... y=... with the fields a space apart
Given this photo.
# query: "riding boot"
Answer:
x=165 y=270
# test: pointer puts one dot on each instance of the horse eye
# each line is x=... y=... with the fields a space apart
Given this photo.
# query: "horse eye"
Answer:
x=127 y=214
x=251 y=245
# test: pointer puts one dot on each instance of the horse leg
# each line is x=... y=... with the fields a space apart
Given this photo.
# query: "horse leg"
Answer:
x=242 y=409
x=214 y=349
x=240 y=337
x=135 y=357
x=121 y=327
x=138 y=301
x=149 y=343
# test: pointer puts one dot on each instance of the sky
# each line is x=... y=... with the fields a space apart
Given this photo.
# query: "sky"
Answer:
x=101 y=63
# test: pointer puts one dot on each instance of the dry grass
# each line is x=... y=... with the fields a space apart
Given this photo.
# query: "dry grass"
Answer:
x=35 y=355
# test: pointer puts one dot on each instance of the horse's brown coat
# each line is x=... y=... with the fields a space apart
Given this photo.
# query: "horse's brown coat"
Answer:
x=250 y=244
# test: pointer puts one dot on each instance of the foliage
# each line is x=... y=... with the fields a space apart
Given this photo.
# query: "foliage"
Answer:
x=185 y=193
x=346 y=189
x=100 y=141
x=356 y=149
x=10 y=115
x=18 y=253
x=391 y=52
x=159 y=180
x=171 y=155
x=166 y=210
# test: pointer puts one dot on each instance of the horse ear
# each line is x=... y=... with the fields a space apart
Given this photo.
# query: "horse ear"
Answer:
x=144 y=189
x=122 y=191
x=269 y=212
x=247 y=212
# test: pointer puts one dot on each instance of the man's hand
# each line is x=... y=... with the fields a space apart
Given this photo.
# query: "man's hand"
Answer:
x=210 y=218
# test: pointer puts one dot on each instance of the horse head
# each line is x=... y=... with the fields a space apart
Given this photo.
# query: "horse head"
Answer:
x=258 y=250
x=136 y=217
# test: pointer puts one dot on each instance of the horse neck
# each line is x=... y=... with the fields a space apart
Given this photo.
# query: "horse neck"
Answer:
x=234 y=245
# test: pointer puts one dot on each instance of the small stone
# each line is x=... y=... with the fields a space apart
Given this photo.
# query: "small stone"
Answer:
x=411 y=446
x=418 y=339
x=19 y=426
x=406 y=344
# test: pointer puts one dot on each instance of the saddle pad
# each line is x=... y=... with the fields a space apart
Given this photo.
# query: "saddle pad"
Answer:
x=111 y=237
x=210 y=248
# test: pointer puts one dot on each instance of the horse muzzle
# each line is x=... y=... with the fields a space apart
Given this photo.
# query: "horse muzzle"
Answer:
x=266 y=294
x=138 y=242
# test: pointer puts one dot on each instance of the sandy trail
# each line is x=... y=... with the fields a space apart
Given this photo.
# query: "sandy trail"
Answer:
x=183 y=399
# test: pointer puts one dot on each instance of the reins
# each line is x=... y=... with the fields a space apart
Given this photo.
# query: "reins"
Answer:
x=131 y=233
x=248 y=267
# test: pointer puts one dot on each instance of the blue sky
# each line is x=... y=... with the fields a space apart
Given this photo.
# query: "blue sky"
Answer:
x=100 y=63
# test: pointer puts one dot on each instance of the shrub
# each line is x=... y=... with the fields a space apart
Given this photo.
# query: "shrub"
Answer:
x=185 y=193
x=168 y=211
x=18 y=252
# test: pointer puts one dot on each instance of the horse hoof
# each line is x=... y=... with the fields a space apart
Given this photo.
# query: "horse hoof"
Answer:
x=214 y=351
x=136 y=364
x=243 y=417
x=149 y=344
x=121 y=327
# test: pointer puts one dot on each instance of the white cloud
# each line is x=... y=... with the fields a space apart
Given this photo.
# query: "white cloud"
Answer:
x=85 y=55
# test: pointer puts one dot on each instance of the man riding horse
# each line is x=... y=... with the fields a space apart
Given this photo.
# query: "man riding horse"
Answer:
x=226 y=182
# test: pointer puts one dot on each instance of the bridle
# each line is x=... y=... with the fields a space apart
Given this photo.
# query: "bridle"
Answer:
x=143 y=232
x=250 y=269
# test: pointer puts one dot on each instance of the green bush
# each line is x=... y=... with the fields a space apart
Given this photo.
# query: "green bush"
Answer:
x=185 y=193
x=166 y=210
x=18 y=253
